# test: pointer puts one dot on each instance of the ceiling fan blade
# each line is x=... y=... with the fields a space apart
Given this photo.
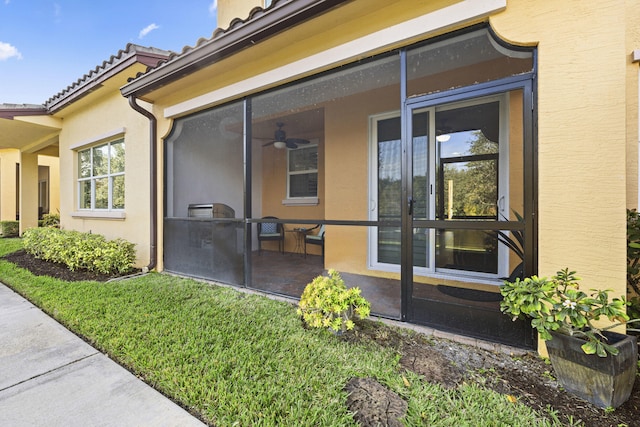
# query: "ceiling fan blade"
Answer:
x=268 y=143
x=297 y=141
x=291 y=144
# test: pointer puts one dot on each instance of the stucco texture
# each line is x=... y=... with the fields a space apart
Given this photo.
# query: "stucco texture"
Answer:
x=582 y=185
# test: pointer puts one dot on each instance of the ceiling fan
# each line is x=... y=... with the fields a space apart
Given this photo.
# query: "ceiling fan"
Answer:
x=280 y=139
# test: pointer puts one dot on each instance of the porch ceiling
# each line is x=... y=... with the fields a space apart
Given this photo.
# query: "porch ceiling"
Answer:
x=31 y=136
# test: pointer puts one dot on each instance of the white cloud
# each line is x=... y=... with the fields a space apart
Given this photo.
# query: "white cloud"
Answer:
x=213 y=8
x=146 y=30
x=7 y=51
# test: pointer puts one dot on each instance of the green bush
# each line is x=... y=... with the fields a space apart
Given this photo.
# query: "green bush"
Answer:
x=10 y=228
x=79 y=250
x=51 y=220
x=633 y=262
x=327 y=303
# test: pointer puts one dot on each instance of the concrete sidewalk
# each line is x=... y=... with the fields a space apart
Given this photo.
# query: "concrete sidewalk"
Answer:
x=50 y=377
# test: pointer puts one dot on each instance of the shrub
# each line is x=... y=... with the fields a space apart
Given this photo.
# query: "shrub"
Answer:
x=327 y=303
x=79 y=250
x=10 y=228
x=633 y=262
x=51 y=220
x=558 y=304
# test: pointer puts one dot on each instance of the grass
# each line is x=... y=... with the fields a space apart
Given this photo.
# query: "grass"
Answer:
x=238 y=359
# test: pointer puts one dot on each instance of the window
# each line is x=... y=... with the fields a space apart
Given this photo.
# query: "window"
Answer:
x=101 y=177
x=302 y=172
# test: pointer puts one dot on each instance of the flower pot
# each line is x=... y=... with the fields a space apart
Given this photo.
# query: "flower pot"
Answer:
x=603 y=381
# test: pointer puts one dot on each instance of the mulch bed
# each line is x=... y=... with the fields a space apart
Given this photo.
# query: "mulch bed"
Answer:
x=59 y=271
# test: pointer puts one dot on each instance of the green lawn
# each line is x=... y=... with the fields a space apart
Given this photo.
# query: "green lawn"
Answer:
x=239 y=359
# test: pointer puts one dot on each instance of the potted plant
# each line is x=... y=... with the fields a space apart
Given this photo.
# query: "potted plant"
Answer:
x=590 y=361
x=327 y=303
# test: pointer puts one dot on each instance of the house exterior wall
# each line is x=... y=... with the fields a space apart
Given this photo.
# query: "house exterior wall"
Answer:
x=273 y=170
x=84 y=128
x=632 y=104
x=53 y=163
x=583 y=68
x=582 y=71
x=231 y=9
x=585 y=103
x=9 y=158
x=28 y=191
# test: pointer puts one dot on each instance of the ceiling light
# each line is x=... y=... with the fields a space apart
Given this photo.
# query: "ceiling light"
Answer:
x=280 y=145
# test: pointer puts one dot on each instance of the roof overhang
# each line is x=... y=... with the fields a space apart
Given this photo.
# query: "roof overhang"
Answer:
x=239 y=36
x=29 y=129
x=96 y=79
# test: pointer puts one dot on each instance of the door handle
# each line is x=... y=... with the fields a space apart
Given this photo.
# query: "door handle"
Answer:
x=410 y=203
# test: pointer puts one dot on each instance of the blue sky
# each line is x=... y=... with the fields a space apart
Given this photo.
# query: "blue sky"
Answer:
x=46 y=45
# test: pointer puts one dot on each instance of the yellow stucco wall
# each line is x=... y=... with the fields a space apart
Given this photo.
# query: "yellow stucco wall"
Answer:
x=582 y=141
x=632 y=15
x=53 y=163
x=84 y=126
x=9 y=158
x=230 y=9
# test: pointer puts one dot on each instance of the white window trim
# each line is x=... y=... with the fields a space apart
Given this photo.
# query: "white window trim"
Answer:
x=97 y=214
x=302 y=201
x=109 y=213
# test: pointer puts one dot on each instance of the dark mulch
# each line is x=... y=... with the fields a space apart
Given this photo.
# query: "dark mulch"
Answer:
x=526 y=377
x=58 y=271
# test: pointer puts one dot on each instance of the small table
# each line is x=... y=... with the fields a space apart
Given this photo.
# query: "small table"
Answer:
x=298 y=234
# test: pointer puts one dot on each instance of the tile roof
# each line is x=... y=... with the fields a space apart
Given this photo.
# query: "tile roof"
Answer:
x=235 y=23
x=260 y=24
x=132 y=53
x=9 y=111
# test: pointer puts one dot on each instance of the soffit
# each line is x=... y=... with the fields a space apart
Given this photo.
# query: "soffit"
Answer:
x=27 y=136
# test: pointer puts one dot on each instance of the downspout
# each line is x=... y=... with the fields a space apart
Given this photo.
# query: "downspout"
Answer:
x=153 y=131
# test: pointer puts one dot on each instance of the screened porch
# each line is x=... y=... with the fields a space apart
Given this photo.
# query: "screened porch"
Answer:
x=410 y=173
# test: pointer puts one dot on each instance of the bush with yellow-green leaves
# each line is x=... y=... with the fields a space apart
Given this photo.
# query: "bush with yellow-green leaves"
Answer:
x=327 y=303
x=79 y=250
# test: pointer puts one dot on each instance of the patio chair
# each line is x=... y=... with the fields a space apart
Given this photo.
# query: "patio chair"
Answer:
x=315 y=239
x=270 y=231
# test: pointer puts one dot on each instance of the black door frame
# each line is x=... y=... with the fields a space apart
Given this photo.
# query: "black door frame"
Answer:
x=522 y=82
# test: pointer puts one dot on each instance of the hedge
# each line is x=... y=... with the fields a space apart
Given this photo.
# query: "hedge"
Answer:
x=79 y=250
x=10 y=228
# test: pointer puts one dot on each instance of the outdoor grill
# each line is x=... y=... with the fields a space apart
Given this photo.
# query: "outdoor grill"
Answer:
x=210 y=210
